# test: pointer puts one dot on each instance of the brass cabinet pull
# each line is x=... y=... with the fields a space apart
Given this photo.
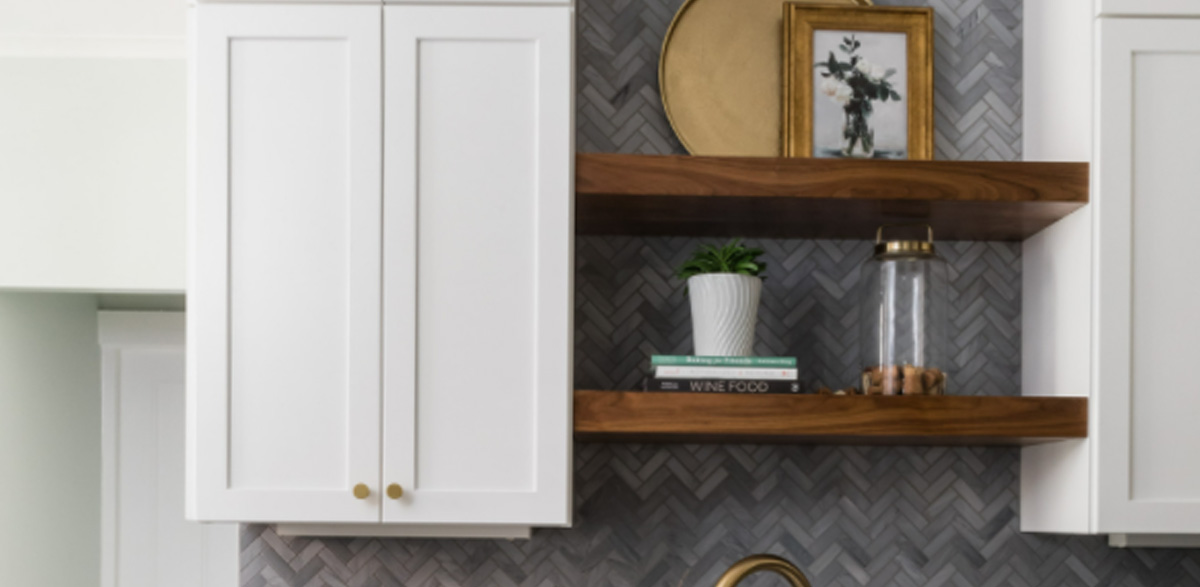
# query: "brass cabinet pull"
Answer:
x=394 y=491
x=361 y=491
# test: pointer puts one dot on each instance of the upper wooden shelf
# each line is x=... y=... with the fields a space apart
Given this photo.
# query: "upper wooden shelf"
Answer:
x=808 y=418
x=821 y=198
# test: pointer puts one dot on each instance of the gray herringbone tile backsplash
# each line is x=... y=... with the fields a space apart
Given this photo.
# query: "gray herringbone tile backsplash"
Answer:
x=628 y=305
x=663 y=515
x=977 y=77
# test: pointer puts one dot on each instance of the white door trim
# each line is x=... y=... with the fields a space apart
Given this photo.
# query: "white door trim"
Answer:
x=119 y=333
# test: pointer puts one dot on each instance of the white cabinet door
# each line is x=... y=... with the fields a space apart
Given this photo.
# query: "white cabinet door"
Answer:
x=284 y=304
x=483 y=2
x=477 y=264
x=1148 y=317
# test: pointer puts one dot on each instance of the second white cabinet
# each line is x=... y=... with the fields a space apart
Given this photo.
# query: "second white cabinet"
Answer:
x=1110 y=311
x=380 y=293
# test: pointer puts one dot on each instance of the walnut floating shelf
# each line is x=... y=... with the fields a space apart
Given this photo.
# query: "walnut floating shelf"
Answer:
x=822 y=419
x=821 y=198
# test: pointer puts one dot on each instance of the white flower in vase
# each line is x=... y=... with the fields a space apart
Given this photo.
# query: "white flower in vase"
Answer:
x=843 y=94
x=829 y=86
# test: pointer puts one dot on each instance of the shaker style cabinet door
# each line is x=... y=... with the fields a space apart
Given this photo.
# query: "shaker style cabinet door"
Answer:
x=284 y=305
x=477 y=264
x=483 y=2
x=1148 y=318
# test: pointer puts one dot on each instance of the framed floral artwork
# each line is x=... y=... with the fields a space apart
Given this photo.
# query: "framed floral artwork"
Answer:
x=858 y=82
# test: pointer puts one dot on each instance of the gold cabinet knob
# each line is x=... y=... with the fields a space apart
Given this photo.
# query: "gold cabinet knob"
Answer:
x=394 y=491
x=361 y=491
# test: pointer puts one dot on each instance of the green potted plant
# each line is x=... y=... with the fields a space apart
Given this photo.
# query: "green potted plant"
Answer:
x=724 y=285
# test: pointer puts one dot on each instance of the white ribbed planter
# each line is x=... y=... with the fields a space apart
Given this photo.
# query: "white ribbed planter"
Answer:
x=724 y=313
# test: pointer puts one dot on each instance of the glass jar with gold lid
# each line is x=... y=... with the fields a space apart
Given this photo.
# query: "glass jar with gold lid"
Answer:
x=904 y=296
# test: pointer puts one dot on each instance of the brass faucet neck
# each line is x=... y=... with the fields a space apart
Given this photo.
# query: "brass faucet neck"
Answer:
x=762 y=562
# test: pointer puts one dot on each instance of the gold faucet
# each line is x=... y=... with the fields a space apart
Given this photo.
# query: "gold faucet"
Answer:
x=762 y=562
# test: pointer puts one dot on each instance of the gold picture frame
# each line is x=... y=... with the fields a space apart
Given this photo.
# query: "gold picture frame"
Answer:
x=801 y=23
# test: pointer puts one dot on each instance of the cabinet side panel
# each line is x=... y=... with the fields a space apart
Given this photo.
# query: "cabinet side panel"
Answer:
x=1165 y=311
x=477 y=250
x=1056 y=350
x=289 y=263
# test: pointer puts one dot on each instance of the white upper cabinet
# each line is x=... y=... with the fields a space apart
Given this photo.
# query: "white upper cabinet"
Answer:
x=477 y=200
x=380 y=304
x=284 y=305
x=1148 y=318
x=1110 y=309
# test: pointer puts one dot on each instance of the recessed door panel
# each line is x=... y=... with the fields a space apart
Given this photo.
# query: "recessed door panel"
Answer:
x=289 y=263
x=476 y=256
x=1166 y=312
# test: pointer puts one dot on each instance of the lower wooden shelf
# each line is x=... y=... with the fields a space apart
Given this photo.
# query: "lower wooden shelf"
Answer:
x=635 y=416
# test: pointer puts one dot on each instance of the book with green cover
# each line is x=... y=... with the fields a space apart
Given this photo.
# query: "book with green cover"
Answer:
x=699 y=361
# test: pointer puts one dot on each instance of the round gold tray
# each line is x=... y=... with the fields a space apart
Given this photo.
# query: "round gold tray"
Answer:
x=720 y=75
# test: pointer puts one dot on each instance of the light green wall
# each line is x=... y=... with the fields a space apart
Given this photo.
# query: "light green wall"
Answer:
x=49 y=440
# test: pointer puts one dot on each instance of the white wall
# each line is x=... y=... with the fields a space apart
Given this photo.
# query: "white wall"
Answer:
x=93 y=145
x=93 y=167
x=49 y=441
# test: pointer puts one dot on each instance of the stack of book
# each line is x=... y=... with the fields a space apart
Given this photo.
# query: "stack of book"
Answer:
x=723 y=374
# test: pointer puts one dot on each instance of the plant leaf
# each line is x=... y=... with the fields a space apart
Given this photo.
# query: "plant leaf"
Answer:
x=730 y=257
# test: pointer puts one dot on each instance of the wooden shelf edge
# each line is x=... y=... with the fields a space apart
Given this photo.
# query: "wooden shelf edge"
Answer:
x=686 y=175
x=675 y=195
x=621 y=416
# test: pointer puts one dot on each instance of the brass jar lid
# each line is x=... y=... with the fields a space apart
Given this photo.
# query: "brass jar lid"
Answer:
x=905 y=248
x=921 y=248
